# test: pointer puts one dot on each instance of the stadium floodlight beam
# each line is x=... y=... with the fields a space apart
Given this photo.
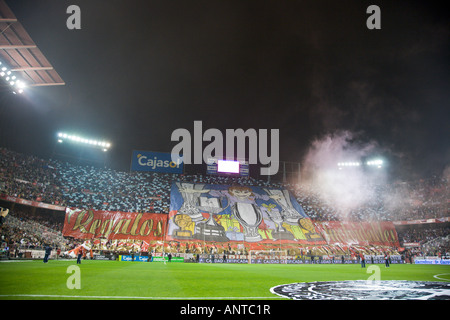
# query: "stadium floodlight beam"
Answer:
x=104 y=145
x=375 y=162
x=17 y=85
x=349 y=164
x=371 y=163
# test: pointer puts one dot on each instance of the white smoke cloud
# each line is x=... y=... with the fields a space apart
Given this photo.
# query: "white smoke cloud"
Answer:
x=446 y=173
x=347 y=188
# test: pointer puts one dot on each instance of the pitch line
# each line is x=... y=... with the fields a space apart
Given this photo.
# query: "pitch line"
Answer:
x=136 y=298
x=441 y=274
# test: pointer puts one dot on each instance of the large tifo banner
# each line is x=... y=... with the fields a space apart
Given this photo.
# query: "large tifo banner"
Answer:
x=91 y=224
x=155 y=162
x=259 y=215
x=223 y=213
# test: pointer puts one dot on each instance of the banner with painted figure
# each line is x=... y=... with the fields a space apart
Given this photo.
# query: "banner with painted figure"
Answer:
x=113 y=225
x=224 y=213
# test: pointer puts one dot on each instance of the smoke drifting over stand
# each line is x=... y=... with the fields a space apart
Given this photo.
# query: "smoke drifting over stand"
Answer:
x=349 y=187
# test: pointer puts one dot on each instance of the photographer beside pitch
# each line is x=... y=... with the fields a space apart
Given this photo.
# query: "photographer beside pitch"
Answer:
x=48 y=250
x=80 y=253
x=363 y=260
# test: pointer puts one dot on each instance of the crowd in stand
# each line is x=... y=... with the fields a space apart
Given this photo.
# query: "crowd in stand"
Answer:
x=425 y=199
x=29 y=177
x=65 y=184
x=31 y=229
x=426 y=239
x=88 y=187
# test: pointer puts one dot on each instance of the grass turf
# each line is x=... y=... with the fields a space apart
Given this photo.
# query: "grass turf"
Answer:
x=156 y=280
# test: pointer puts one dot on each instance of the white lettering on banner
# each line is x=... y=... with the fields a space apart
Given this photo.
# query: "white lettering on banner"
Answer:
x=432 y=261
x=154 y=163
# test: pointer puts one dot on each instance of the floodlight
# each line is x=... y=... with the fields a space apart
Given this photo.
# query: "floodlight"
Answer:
x=78 y=139
x=12 y=79
x=349 y=164
x=375 y=162
x=20 y=84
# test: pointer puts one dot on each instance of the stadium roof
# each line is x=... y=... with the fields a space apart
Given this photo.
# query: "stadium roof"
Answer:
x=22 y=55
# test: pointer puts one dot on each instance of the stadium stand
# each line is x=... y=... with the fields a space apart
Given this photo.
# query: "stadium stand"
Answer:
x=64 y=184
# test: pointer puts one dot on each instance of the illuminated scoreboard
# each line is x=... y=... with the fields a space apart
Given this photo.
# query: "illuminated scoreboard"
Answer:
x=227 y=167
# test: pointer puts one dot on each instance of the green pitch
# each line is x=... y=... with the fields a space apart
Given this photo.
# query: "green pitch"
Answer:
x=181 y=281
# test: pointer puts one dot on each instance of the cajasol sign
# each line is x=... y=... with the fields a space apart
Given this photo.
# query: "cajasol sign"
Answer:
x=155 y=162
x=139 y=258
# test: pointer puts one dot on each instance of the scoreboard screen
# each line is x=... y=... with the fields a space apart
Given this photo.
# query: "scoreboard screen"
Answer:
x=227 y=167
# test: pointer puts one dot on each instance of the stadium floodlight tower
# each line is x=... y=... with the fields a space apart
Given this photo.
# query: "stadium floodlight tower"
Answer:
x=82 y=148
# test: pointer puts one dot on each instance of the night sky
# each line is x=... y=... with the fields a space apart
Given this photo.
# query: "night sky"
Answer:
x=137 y=70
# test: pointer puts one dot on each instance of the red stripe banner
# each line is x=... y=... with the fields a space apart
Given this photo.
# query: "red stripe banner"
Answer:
x=32 y=203
x=89 y=224
x=359 y=233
